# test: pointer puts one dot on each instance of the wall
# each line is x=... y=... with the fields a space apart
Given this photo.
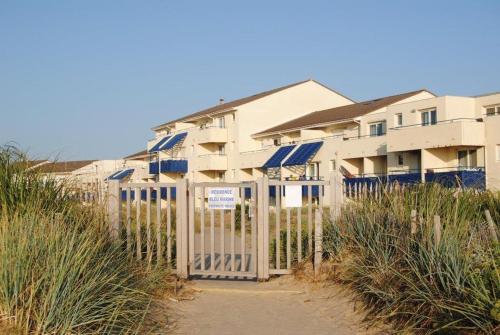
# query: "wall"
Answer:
x=283 y=106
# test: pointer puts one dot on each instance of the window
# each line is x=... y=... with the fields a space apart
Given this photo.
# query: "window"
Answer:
x=429 y=117
x=377 y=129
x=491 y=110
x=398 y=120
x=222 y=149
x=467 y=158
x=333 y=165
x=221 y=122
x=312 y=171
x=400 y=160
x=277 y=142
x=221 y=176
x=233 y=173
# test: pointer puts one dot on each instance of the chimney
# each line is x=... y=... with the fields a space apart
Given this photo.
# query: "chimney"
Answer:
x=221 y=101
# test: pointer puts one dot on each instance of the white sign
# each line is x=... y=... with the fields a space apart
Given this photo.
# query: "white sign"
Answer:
x=293 y=196
x=221 y=198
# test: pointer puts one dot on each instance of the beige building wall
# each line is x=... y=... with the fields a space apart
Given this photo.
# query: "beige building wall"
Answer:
x=462 y=125
x=216 y=154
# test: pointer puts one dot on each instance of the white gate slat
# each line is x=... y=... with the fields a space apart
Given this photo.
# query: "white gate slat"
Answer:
x=212 y=240
x=242 y=232
x=222 y=241
x=233 y=238
x=202 y=231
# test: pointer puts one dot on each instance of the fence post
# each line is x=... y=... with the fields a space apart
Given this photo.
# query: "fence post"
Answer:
x=262 y=229
x=491 y=227
x=114 y=214
x=437 y=230
x=413 y=221
x=181 y=228
x=318 y=242
x=335 y=195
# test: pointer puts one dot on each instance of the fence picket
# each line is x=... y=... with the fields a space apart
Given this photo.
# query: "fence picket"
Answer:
x=159 y=256
x=202 y=230
x=129 y=219
x=309 y=219
x=278 y=228
x=288 y=240
x=148 y=224
x=299 y=234
x=138 y=223
x=169 y=227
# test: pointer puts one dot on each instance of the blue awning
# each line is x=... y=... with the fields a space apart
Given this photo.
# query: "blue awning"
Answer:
x=278 y=157
x=176 y=139
x=302 y=155
x=160 y=143
x=119 y=175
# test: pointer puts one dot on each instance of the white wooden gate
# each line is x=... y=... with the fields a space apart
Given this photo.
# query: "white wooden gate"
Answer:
x=223 y=242
x=258 y=238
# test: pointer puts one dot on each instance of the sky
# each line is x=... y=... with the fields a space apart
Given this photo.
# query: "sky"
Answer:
x=89 y=79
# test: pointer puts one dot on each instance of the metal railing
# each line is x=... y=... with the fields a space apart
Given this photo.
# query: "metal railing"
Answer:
x=428 y=124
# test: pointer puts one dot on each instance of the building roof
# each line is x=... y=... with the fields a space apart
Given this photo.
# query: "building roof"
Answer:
x=33 y=163
x=235 y=103
x=62 y=167
x=337 y=114
x=138 y=155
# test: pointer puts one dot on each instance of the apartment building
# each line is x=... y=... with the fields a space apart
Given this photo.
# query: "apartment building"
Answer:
x=411 y=137
x=207 y=146
x=308 y=131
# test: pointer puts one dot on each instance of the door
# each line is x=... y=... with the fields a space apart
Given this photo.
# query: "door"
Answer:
x=222 y=242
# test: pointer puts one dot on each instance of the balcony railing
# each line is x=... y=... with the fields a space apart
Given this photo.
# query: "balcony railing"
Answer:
x=468 y=177
x=422 y=124
x=350 y=138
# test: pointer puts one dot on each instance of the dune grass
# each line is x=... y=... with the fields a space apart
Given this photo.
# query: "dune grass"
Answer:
x=450 y=288
x=59 y=272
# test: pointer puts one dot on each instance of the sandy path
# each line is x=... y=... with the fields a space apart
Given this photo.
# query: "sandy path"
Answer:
x=281 y=306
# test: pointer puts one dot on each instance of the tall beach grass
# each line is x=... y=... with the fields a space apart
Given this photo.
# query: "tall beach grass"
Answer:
x=59 y=272
x=405 y=278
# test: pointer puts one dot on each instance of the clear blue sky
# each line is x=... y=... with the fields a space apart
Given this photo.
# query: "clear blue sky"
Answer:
x=88 y=79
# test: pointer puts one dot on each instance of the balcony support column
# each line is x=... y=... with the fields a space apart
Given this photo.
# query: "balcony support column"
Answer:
x=423 y=164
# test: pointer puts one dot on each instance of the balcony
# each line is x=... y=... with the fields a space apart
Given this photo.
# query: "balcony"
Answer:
x=169 y=166
x=256 y=159
x=211 y=135
x=212 y=162
x=364 y=146
x=449 y=133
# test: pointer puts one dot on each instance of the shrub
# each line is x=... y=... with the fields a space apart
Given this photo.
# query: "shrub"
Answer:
x=407 y=279
x=59 y=273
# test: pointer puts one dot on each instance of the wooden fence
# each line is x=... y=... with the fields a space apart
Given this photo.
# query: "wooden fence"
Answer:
x=141 y=215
